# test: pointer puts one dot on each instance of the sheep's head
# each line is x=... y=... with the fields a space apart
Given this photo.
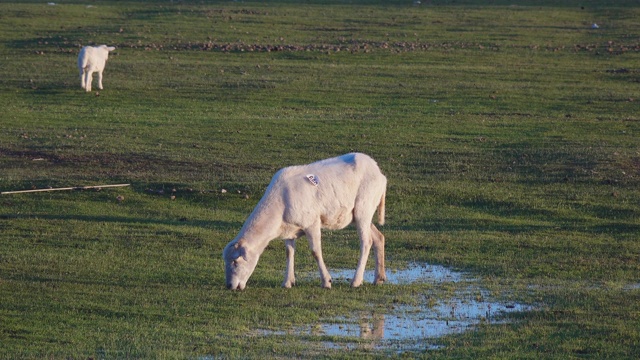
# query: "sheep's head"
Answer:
x=106 y=50
x=239 y=265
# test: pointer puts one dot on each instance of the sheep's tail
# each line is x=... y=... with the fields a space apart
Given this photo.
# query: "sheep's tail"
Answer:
x=85 y=63
x=381 y=209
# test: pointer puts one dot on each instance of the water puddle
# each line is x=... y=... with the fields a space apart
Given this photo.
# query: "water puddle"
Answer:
x=405 y=327
x=413 y=274
x=634 y=286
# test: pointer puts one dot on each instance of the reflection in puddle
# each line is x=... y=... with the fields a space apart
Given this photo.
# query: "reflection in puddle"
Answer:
x=405 y=327
x=410 y=325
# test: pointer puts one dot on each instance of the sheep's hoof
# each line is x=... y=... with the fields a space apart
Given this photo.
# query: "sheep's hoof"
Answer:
x=379 y=280
x=288 y=284
x=327 y=285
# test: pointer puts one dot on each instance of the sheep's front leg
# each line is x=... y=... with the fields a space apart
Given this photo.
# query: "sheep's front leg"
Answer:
x=365 y=248
x=289 y=276
x=314 y=236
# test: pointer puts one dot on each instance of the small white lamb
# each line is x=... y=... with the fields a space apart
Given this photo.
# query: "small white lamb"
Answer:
x=302 y=200
x=92 y=59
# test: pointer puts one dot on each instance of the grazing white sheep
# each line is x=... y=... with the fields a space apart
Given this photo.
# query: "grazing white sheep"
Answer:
x=302 y=200
x=92 y=59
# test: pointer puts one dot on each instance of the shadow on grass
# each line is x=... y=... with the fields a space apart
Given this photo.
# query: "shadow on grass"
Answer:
x=488 y=226
x=220 y=225
x=124 y=282
x=48 y=89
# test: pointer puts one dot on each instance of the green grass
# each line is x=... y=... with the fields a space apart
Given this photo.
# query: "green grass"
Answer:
x=509 y=135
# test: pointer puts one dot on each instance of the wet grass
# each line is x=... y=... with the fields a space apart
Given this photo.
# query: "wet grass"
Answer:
x=509 y=135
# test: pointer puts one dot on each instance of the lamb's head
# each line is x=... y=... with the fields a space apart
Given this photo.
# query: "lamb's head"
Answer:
x=106 y=50
x=240 y=262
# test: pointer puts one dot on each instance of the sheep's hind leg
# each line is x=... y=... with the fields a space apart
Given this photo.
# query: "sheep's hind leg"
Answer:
x=378 y=249
x=100 y=80
x=82 y=79
x=289 y=276
x=87 y=81
x=365 y=248
x=314 y=236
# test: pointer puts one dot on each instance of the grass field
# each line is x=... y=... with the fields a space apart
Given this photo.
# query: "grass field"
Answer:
x=510 y=136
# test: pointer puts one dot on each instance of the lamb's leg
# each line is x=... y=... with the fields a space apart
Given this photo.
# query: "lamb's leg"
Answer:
x=88 y=80
x=100 y=80
x=378 y=249
x=364 y=231
x=289 y=276
x=314 y=235
x=82 y=80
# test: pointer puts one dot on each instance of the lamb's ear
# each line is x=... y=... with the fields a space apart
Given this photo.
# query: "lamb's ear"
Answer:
x=241 y=253
x=111 y=48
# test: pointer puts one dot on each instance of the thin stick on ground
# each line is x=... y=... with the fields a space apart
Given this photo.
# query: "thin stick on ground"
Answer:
x=65 y=188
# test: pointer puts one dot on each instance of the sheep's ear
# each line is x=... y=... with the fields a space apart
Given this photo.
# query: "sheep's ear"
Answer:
x=111 y=48
x=240 y=253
